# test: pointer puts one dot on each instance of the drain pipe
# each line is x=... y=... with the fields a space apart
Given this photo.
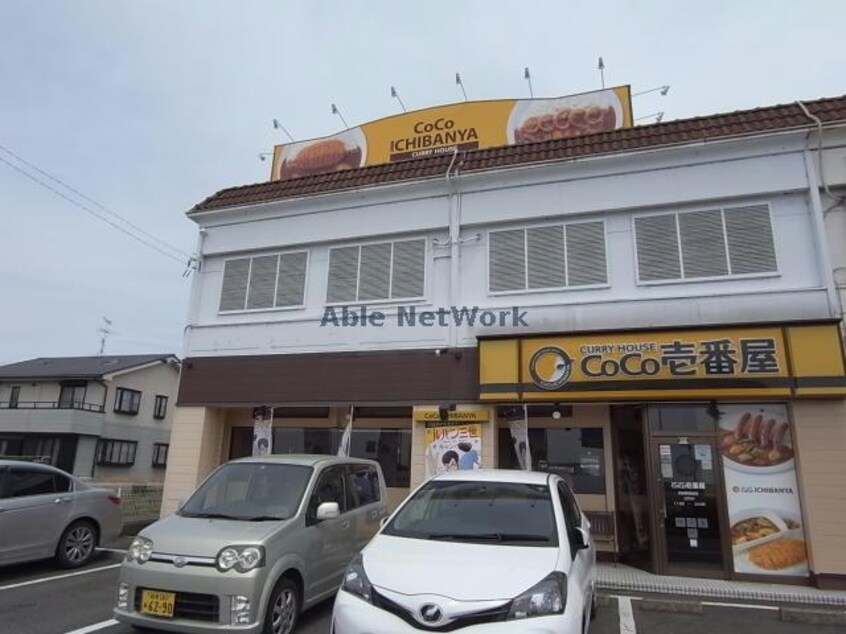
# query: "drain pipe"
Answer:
x=818 y=214
x=453 y=243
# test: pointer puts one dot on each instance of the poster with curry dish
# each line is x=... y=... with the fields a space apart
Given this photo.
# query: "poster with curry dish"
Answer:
x=765 y=517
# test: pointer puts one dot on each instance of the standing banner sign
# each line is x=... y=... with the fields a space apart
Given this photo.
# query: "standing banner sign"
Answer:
x=344 y=447
x=262 y=431
x=452 y=447
x=759 y=469
x=518 y=423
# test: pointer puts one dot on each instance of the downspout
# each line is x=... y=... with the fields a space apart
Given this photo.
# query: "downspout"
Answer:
x=823 y=254
x=825 y=262
x=454 y=231
x=194 y=300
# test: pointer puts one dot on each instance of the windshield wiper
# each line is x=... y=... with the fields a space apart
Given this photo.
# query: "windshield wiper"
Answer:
x=213 y=516
x=498 y=537
x=265 y=518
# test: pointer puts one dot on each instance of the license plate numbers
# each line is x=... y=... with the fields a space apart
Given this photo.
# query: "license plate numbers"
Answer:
x=158 y=603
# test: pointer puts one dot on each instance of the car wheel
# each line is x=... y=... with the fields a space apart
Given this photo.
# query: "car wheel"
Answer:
x=283 y=608
x=77 y=544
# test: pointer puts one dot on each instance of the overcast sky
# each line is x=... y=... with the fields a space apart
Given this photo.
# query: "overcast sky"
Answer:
x=150 y=106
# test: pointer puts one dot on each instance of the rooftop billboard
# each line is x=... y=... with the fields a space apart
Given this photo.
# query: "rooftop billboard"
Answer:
x=469 y=125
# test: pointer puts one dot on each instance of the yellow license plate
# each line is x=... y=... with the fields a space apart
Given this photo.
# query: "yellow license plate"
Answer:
x=158 y=603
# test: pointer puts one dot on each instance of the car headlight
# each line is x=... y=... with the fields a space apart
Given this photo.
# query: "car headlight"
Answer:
x=356 y=581
x=140 y=550
x=547 y=597
x=241 y=558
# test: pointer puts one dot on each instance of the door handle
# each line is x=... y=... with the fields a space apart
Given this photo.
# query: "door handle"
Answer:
x=61 y=500
x=345 y=524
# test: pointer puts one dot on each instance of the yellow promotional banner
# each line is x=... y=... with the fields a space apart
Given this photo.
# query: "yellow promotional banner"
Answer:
x=452 y=447
x=464 y=126
x=691 y=363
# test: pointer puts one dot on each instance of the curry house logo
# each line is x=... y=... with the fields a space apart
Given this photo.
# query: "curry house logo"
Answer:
x=550 y=367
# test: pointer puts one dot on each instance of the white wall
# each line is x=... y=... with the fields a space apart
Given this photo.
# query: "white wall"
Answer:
x=769 y=170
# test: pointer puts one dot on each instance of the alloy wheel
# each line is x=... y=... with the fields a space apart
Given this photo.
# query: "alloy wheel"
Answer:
x=284 y=612
x=79 y=544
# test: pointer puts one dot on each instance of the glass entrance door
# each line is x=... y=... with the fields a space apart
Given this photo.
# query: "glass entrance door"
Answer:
x=687 y=506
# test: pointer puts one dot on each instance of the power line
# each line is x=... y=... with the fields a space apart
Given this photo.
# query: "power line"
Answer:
x=91 y=211
x=94 y=202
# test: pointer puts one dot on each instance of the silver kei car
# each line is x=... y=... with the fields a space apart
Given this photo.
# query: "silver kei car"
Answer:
x=45 y=512
x=260 y=540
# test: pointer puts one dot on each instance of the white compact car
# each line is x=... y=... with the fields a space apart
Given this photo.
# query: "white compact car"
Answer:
x=475 y=551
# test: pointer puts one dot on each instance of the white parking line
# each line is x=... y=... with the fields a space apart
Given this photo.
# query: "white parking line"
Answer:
x=718 y=604
x=32 y=582
x=627 y=623
x=93 y=628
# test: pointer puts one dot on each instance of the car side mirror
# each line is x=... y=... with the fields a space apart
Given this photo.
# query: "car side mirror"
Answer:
x=328 y=511
x=579 y=539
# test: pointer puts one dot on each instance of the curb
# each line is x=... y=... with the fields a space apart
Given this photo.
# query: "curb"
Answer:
x=814 y=617
x=675 y=607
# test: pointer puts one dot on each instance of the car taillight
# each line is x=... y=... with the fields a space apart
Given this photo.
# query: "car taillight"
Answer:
x=114 y=499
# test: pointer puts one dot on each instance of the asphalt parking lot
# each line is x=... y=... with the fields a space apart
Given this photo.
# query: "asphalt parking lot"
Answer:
x=42 y=599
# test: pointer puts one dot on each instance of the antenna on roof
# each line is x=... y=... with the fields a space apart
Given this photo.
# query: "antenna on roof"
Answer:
x=105 y=330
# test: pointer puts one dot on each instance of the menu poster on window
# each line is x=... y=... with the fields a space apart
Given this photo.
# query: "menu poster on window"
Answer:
x=759 y=469
x=452 y=447
x=262 y=431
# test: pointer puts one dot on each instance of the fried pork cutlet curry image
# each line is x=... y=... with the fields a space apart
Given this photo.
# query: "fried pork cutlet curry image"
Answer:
x=328 y=155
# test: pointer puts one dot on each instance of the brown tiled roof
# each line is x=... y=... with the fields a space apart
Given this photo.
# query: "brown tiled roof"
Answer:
x=712 y=127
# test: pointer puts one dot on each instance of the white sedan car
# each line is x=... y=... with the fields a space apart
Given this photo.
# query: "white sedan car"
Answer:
x=471 y=552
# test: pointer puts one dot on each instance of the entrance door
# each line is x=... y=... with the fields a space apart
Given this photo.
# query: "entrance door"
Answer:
x=687 y=506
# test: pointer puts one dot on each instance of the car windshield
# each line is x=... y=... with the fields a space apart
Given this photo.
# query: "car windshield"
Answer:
x=482 y=512
x=250 y=491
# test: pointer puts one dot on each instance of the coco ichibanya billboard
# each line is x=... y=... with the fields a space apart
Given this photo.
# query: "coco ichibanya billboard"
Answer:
x=463 y=126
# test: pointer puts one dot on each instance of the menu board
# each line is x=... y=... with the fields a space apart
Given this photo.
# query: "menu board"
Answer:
x=765 y=517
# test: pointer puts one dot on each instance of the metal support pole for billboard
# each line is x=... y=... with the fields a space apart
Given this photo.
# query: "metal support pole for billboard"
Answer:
x=396 y=96
x=338 y=112
x=278 y=126
x=461 y=84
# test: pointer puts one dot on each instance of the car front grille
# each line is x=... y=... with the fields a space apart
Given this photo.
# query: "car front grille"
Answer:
x=188 y=605
x=478 y=618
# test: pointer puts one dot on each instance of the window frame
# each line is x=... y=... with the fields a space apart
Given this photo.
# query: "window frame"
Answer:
x=722 y=208
x=391 y=300
x=14 y=396
x=272 y=309
x=156 y=463
x=548 y=289
x=163 y=414
x=344 y=508
x=56 y=478
x=127 y=412
x=112 y=443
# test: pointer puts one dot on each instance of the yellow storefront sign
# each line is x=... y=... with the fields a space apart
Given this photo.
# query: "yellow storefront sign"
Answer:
x=464 y=126
x=760 y=361
x=462 y=415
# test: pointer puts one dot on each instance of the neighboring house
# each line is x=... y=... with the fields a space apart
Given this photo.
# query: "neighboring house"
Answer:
x=106 y=417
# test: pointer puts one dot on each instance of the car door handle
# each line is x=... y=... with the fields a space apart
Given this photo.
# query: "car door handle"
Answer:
x=345 y=524
x=61 y=500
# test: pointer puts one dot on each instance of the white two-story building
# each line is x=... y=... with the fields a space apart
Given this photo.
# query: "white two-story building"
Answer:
x=664 y=303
